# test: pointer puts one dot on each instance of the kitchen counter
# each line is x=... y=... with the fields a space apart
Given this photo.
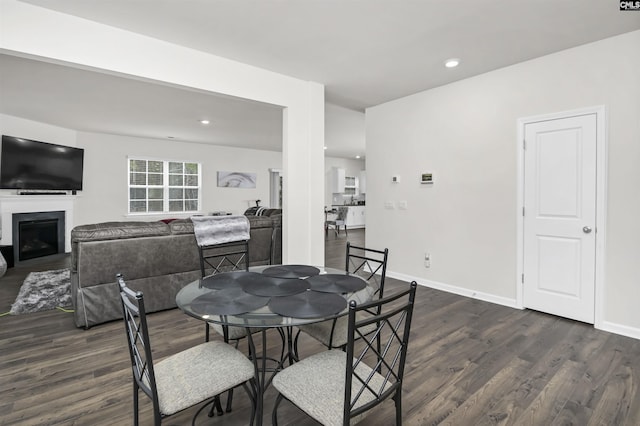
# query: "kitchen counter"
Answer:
x=355 y=215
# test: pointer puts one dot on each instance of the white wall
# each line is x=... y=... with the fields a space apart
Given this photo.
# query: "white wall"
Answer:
x=344 y=131
x=35 y=130
x=36 y=32
x=104 y=195
x=465 y=134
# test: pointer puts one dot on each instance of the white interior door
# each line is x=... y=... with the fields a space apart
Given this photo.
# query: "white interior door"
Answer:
x=560 y=216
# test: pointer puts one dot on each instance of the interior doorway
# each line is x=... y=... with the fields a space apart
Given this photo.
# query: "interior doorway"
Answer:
x=275 y=188
x=561 y=213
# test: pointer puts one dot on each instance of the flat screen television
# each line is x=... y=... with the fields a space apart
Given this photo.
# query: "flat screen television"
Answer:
x=34 y=165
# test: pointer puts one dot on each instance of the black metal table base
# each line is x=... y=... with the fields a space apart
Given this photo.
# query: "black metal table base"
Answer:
x=263 y=373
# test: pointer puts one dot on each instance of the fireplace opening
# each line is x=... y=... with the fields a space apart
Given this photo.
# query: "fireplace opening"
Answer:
x=38 y=234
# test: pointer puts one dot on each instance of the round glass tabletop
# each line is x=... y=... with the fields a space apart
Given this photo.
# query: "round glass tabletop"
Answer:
x=254 y=299
x=336 y=283
x=235 y=279
x=291 y=271
x=309 y=304
x=275 y=287
x=229 y=301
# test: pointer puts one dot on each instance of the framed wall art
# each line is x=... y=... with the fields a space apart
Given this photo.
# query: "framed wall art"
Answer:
x=237 y=179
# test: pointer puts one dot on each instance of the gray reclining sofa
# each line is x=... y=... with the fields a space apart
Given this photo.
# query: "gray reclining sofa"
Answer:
x=156 y=258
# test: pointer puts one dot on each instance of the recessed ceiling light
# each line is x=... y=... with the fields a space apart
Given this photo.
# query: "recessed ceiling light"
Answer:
x=204 y=121
x=357 y=156
x=325 y=147
x=452 y=63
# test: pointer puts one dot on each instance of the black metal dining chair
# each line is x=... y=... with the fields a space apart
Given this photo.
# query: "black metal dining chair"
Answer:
x=340 y=387
x=371 y=265
x=223 y=246
x=227 y=257
x=231 y=256
x=184 y=379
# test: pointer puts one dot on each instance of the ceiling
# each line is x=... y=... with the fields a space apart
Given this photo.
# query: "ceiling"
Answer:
x=97 y=102
x=365 y=52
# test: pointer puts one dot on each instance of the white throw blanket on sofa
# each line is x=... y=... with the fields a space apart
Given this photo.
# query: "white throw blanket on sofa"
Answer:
x=211 y=230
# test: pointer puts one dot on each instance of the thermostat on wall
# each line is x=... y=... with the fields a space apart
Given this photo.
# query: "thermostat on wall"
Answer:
x=426 y=178
x=395 y=178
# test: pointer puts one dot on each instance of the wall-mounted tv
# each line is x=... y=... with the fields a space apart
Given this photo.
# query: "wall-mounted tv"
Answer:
x=34 y=165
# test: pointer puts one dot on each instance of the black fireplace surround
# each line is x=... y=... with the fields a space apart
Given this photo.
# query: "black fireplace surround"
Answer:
x=38 y=234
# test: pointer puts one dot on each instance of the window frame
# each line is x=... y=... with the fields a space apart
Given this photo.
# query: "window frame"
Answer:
x=166 y=187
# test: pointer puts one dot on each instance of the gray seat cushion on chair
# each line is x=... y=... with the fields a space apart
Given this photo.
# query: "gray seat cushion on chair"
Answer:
x=199 y=373
x=316 y=386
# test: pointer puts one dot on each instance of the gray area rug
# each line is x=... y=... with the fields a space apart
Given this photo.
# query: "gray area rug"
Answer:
x=43 y=291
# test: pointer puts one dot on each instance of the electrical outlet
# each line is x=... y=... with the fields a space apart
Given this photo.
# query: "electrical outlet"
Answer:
x=427 y=260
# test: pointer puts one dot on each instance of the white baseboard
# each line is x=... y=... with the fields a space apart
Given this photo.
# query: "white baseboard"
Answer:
x=623 y=330
x=611 y=327
x=461 y=291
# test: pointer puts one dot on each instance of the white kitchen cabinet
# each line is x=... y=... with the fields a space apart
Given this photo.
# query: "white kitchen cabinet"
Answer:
x=363 y=182
x=356 y=217
x=350 y=185
x=342 y=184
x=337 y=180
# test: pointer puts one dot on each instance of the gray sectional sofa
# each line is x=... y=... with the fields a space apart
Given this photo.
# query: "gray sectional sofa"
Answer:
x=156 y=258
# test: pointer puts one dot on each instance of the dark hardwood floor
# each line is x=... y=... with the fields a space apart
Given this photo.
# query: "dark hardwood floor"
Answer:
x=469 y=363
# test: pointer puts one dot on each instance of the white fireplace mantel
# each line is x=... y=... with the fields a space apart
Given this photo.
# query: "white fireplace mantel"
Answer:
x=10 y=204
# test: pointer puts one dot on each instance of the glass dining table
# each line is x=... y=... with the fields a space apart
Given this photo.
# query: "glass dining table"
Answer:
x=272 y=297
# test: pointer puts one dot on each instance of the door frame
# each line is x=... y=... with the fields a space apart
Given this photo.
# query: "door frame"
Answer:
x=601 y=201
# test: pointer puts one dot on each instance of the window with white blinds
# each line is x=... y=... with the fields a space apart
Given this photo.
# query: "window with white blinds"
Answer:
x=161 y=186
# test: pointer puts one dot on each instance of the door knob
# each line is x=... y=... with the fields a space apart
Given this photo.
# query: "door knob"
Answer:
x=586 y=230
